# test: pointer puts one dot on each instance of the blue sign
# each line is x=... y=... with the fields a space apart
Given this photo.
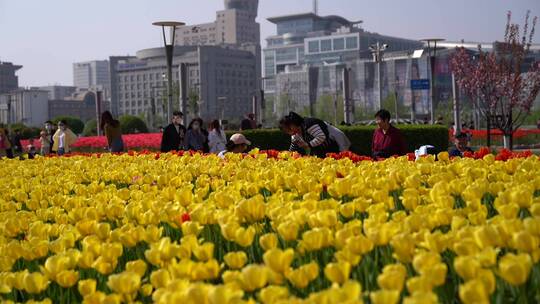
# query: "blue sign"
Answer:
x=419 y=84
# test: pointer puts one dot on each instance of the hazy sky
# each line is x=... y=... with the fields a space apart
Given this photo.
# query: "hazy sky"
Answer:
x=47 y=36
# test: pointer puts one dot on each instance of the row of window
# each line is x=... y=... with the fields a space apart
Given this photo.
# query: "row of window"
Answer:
x=333 y=45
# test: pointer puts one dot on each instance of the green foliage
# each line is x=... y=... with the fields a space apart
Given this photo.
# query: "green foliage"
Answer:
x=132 y=124
x=90 y=128
x=26 y=132
x=325 y=109
x=360 y=136
x=75 y=124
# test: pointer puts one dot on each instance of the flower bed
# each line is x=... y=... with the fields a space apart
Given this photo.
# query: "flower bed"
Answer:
x=270 y=227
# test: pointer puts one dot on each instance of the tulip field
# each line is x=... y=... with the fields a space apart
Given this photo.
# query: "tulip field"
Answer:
x=270 y=227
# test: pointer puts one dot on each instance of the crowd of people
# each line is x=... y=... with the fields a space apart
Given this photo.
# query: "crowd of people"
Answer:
x=308 y=136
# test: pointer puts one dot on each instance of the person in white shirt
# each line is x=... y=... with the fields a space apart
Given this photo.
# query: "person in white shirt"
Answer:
x=237 y=144
x=217 y=140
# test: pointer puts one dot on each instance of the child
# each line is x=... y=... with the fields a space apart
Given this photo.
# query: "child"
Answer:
x=461 y=142
x=31 y=149
x=45 y=141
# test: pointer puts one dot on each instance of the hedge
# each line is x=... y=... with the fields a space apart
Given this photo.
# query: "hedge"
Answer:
x=360 y=137
x=90 y=128
x=132 y=124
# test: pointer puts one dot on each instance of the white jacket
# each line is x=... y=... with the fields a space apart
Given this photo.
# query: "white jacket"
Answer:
x=217 y=141
x=339 y=137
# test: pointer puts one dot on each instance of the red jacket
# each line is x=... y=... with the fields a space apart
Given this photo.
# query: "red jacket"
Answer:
x=389 y=144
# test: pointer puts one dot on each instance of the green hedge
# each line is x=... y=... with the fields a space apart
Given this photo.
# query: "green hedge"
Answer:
x=360 y=136
x=75 y=124
x=132 y=124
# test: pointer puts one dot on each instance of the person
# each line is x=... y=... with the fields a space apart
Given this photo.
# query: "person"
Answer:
x=174 y=134
x=63 y=138
x=538 y=124
x=45 y=143
x=471 y=125
x=238 y=143
x=5 y=144
x=309 y=136
x=426 y=121
x=196 y=137
x=31 y=149
x=49 y=129
x=461 y=142
x=16 y=142
x=248 y=123
x=339 y=137
x=217 y=140
x=387 y=139
x=113 y=132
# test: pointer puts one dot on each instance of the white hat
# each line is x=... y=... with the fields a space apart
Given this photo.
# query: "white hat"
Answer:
x=239 y=139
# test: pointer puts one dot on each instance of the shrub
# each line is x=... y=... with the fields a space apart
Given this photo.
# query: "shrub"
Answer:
x=26 y=132
x=75 y=124
x=90 y=128
x=132 y=125
x=360 y=137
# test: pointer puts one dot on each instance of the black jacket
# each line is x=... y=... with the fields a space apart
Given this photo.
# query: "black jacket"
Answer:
x=316 y=130
x=173 y=140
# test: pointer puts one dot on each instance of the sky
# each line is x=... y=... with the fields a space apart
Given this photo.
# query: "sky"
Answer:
x=48 y=36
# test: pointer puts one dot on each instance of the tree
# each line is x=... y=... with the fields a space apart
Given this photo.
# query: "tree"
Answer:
x=76 y=125
x=132 y=125
x=90 y=128
x=496 y=82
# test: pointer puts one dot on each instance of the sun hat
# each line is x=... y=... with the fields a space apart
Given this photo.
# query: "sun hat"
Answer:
x=239 y=139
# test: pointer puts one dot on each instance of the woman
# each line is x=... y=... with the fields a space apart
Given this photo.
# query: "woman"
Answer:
x=217 y=139
x=237 y=144
x=5 y=145
x=309 y=136
x=113 y=132
x=63 y=139
x=197 y=137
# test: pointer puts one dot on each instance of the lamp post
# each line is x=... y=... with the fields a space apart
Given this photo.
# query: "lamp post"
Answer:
x=431 y=64
x=169 y=52
x=378 y=52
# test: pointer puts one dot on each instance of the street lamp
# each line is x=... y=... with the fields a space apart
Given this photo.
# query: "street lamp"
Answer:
x=169 y=52
x=378 y=52
x=431 y=65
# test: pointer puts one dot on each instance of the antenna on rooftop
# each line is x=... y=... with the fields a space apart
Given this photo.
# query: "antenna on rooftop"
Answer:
x=316 y=7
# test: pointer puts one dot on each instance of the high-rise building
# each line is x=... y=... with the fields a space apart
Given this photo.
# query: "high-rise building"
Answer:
x=92 y=75
x=220 y=82
x=59 y=91
x=81 y=104
x=27 y=106
x=8 y=80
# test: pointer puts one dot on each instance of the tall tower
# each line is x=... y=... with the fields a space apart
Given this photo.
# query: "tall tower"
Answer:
x=316 y=7
x=251 y=6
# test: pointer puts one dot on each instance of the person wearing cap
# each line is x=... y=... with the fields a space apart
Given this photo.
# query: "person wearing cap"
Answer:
x=309 y=136
x=237 y=144
x=461 y=142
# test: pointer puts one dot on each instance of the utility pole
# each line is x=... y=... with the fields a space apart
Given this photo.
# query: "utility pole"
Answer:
x=377 y=51
x=347 y=103
x=457 y=118
x=432 y=54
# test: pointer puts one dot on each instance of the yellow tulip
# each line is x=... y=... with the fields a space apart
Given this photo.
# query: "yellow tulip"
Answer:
x=515 y=269
x=35 y=282
x=225 y=295
x=404 y=246
x=360 y=245
x=525 y=241
x=419 y=284
x=473 y=291
x=346 y=255
x=288 y=231
x=204 y=252
x=54 y=265
x=467 y=267
x=487 y=278
x=235 y=260
x=191 y=228
x=137 y=266
x=421 y=298
x=146 y=290
x=425 y=260
x=160 y=278
x=252 y=209
x=337 y=272
x=436 y=274
x=384 y=296
x=273 y=294
x=244 y=237
x=87 y=287
x=124 y=282
x=95 y=298
x=268 y=241
x=279 y=260
x=392 y=277
x=67 y=278
x=254 y=277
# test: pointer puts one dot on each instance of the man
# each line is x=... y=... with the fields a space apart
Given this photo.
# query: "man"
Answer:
x=387 y=139
x=174 y=134
x=249 y=123
x=461 y=142
x=16 y=142
x=49 y=129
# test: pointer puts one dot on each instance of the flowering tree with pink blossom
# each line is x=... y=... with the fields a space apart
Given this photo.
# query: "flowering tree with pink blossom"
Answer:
x=498 y=82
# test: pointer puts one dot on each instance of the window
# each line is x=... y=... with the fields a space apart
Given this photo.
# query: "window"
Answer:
x=352 y=43
x=326 y=45
x=313 y=46
x=339 y=44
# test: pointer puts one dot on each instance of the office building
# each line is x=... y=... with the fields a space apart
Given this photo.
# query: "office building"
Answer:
x=81 y=104
x=27 y=106
x=59 y=91
x=92 y=75
x=221 y=82
x=8 y=80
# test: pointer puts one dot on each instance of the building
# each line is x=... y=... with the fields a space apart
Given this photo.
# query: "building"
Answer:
x=8 y=80
x=81 y=105
x=317 y=41
x=59 y=91
x=27 y=106
x=235 y=26
x=92 y=75
x=221 y=82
